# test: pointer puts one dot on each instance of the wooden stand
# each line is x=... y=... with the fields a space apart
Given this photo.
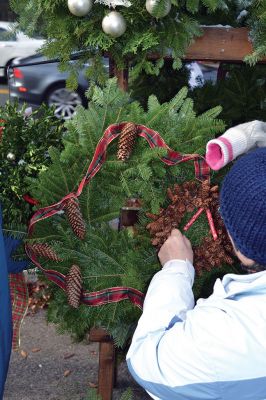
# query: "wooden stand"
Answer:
x=107 y=362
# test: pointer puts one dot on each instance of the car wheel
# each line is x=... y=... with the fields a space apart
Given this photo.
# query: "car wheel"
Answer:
x=64 y=100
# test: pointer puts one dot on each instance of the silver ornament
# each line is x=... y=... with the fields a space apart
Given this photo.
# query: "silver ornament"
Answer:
x=150 y=5
x=114 y=24
x=79 y=8
x=10 y=156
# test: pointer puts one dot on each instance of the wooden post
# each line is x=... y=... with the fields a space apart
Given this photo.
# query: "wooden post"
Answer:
x=121 y=74
x=107 y=362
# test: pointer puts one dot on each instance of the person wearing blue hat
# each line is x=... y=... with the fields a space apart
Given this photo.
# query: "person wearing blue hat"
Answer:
x=216 y=349
x=7 y=265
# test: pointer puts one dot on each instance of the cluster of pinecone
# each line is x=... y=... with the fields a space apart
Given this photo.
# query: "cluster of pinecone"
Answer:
x=188 y=197
x=73 y=278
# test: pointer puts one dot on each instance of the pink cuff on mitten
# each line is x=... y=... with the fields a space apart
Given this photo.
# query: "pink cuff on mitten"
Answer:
x=234 y=142
x=219 y=153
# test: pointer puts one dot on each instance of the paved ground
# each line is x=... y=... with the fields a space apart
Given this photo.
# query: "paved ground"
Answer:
x=37 y=371
x=3 y=92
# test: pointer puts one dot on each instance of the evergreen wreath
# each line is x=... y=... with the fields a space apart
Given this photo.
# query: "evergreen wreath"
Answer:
x=106 y=257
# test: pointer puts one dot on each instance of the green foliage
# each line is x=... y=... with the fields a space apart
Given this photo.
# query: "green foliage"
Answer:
x=93 y=395
x=164 y=86
x=257 y=23
x=107 y=257
x=28 y=139
x=242 y=94
x=66 y=33
x=145 y=34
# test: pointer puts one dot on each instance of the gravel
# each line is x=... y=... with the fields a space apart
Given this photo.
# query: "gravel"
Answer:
x=50 y=366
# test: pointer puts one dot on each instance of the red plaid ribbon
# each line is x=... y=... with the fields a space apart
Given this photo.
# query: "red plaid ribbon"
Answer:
x=153 y=138
x=19 y=300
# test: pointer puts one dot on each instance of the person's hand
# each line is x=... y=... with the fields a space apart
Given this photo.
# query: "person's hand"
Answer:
x=177 y=246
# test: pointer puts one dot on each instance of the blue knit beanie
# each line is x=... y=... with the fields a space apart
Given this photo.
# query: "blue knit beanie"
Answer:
x=243 y=204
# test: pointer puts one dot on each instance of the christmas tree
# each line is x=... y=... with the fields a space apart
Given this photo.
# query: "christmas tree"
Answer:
x=79 y=240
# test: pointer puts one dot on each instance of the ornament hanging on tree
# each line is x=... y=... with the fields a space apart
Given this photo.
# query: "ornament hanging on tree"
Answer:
x=79 y=8
x=10 y=156
x=151 y=6
x=114 y=24
x=114 y=3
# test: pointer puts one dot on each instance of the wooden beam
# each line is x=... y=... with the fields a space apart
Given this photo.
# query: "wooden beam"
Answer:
x=221 y=44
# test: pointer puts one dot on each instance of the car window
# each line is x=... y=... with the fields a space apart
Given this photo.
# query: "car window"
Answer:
x=7 y=36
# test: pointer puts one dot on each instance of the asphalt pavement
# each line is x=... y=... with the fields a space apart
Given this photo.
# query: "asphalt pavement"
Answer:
x=3 y=93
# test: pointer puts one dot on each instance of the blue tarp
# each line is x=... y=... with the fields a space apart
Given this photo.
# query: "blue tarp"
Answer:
x=5 y=314
x=7 y=265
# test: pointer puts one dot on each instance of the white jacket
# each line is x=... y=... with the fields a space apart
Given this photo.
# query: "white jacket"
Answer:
x=215 y=350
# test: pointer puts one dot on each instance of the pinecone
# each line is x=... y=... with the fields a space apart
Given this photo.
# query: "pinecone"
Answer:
x=44 y=250
x=185 y=197
x=74 y=286
x=126 y=141
x=75 y=218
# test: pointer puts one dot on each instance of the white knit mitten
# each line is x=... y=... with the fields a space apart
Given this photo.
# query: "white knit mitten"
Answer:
x=234 y=142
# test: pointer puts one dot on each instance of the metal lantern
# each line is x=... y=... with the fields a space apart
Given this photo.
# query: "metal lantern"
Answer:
x=114 y=24
x=79 y=8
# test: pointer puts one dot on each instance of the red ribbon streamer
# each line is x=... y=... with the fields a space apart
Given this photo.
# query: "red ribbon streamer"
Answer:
x=193 y=219
x=211 y=224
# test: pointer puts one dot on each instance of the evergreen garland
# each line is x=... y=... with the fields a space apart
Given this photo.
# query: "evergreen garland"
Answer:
x=107 y=257
x=257 y=23
x=145 y=34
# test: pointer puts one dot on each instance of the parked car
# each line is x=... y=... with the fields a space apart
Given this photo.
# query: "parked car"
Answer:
x=42 y=82
x=14 y=44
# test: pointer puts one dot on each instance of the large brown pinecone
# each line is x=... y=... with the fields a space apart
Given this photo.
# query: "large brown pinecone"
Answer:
x=74 y=286
x=44 y=250
x=126 y=141
x=73 y=213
